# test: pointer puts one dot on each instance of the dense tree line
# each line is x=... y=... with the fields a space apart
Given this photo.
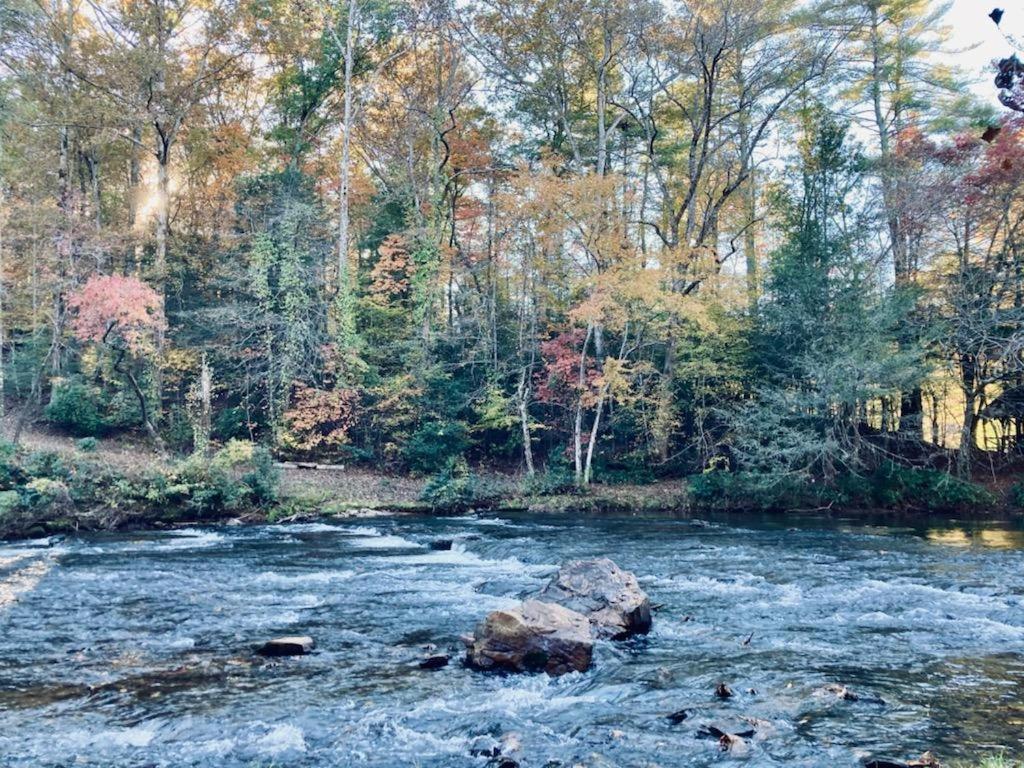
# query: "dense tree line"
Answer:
x=589 y=236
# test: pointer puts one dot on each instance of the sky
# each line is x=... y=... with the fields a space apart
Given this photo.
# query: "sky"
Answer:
x=975 y=40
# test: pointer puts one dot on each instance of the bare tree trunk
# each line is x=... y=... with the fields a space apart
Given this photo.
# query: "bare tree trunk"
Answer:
x=577 y=432
x=346 y=152
x=599 y=408
x=523 y=401
x=749 y=204
x=163 y=213
x=134 y=184
x=201 y=438
x=602 y=102
x=594 y=427
x=965 y=456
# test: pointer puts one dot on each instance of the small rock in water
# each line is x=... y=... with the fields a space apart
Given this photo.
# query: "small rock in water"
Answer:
x=927 y=760
x=298 y=645
x=733 y=728
x=723 y=691
x=485 y=746
x=730 y=742
x=677 y=717
x=441 y=545
x=434 y=662
x=841 y=692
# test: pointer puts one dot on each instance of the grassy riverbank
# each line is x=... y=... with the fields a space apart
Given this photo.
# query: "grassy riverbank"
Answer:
x=56 y=485
x=53 y=484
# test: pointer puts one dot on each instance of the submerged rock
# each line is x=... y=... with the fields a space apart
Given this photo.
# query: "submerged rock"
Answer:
x=741 y=729
x=609 y=596
x=927 y=760
x=535 y=637
x=843 y=693
x=441 y=545
x=287 y=646
x=434 y=662
x=840 y=692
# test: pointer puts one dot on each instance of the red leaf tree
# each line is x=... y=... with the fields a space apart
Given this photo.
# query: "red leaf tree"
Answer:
x=124 y=314
x=117 y=311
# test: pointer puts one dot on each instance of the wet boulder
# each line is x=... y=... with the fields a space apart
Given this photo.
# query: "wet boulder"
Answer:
x=287 y=646
x=535 y=637
x=609 y=596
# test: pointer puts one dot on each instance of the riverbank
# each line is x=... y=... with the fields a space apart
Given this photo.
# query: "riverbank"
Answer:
x=53 y=484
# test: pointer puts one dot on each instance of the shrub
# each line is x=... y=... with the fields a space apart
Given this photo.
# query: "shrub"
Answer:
x=10 y=503
x=74 y=407
x=10 y=473
x=1017 y=495
x=42 y=489
x=259 y=475
x=721 y=489
x=895 y=485
x=43 y=493
x=630 y=469
x=203 y=487
x=87 y=445
x=452 y=487
x=432 y=447
x=123 y=411
x=263 y=478
x=555 y=478
x=233 y=454
x=45 y=464
x=889 y=486
x=231 y=423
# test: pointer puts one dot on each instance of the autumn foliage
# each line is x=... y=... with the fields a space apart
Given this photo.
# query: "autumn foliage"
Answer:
x=319 y=419
x=116 y=310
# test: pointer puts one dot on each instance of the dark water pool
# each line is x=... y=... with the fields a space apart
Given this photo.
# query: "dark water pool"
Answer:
x=136 y=649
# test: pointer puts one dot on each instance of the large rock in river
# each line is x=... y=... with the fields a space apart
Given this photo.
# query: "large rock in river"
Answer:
x=609 y=596
x=535 y=637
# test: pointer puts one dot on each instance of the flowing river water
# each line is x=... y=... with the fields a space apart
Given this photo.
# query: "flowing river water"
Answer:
x=136 y=649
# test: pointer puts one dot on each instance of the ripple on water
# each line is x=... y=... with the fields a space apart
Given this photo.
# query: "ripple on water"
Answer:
x=165 y=625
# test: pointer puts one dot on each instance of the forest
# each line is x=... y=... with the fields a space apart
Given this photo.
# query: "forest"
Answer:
x=774 y=247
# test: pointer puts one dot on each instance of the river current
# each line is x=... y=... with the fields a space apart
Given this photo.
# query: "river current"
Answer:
x=136 y=649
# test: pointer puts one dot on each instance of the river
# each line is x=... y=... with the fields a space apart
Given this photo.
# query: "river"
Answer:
x=135 y=649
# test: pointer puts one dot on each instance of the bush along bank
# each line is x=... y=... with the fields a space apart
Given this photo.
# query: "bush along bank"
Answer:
x=43 y=493
x=888 y=487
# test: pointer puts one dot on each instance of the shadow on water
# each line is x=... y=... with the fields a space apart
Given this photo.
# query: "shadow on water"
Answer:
x=137 y=649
